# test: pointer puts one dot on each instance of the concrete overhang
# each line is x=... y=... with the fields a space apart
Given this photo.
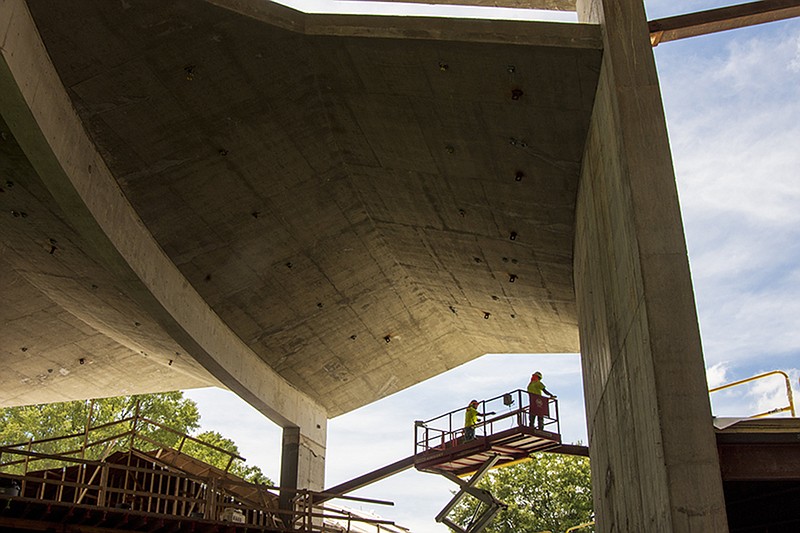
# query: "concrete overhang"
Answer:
x=320 y=210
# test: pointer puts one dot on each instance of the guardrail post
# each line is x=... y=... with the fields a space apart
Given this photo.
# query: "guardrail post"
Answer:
x=134 y=422
x=86 y=429
x=211 y=500
x=27 y=458
x=101 y=493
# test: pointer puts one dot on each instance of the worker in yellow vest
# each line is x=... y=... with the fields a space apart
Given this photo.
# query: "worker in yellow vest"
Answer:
x=535 y=389
x=471 y=419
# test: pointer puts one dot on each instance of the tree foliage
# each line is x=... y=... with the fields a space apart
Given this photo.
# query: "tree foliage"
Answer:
x=173 y=416
x=44 y=421
x=550 y=492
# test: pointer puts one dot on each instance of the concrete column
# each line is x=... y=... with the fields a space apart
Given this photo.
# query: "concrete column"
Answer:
x=302 y=462
x=655 y=466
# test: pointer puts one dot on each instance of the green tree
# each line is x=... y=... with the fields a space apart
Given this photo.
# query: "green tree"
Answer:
x=550 y=492
x=172 y=415
x=45 y=421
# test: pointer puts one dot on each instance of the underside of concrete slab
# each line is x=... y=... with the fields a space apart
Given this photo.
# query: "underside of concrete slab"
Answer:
x=364 y=202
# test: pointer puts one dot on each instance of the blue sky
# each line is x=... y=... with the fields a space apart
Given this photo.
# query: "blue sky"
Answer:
x=732 y=102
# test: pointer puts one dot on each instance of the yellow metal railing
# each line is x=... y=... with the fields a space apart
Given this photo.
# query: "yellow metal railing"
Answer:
x=789 y=395
x=580 y=526
x=573 y=528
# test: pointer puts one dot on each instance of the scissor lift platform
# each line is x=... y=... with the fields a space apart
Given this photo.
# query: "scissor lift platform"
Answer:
x=465 y=457
x=442 y=446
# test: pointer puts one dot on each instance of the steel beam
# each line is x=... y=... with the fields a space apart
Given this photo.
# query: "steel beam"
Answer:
x=369 y=478
x=721 y=19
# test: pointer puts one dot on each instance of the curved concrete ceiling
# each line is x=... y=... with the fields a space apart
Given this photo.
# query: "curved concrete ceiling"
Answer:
x=363 y=212
x=70 y=326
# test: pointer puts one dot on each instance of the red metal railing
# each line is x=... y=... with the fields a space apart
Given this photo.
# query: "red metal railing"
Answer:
x=507 y=411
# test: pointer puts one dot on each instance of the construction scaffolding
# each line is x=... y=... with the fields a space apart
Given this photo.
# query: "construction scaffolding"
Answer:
x=121 y=477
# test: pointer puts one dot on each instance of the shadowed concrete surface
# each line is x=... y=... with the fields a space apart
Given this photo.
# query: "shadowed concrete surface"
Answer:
x=323 y=210
x=66 y=328
x=363 y=213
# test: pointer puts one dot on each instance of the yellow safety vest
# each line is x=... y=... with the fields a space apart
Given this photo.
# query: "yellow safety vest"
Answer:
x=471 y=417
x=536 y=387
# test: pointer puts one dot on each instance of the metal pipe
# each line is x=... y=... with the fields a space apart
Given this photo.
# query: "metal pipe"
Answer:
x=760 y=376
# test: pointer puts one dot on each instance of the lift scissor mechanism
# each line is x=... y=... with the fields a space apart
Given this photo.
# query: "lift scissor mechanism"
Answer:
x=488 y=507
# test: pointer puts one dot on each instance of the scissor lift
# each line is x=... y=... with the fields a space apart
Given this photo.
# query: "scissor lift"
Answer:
x=519 y=425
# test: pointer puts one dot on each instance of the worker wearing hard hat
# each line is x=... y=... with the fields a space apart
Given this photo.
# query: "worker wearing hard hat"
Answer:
x=538 y=406
x=471 y=419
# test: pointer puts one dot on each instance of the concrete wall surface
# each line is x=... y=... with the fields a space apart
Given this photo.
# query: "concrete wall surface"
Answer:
x=654 y=459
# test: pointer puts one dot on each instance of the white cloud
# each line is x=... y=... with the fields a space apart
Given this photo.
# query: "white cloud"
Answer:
x=716 y=375
x=794 y=64
x=734 y=116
